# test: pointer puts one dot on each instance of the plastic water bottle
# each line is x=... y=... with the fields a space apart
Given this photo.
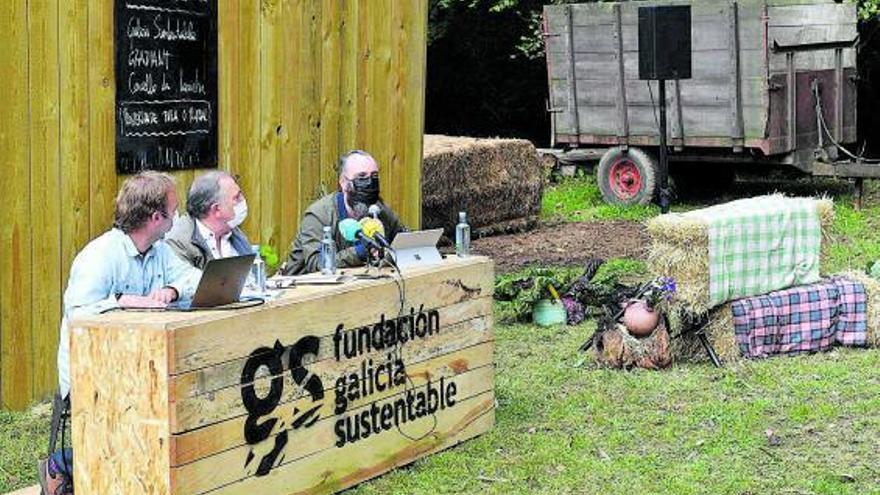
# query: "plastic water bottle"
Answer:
x=462 y=236
x=258 y=271
x=328 y=252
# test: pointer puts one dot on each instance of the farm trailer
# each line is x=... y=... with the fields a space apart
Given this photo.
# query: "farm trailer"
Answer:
x=774 y=83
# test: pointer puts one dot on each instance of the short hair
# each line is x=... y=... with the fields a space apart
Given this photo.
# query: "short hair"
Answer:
x=140 y=196
x=204 y=192
x=343 y=160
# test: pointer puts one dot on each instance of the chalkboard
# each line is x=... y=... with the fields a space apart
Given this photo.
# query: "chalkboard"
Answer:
x=166 y=84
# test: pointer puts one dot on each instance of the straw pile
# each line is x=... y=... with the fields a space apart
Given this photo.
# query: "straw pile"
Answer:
x=720 y=331
x=680 y=249
x=499 y=182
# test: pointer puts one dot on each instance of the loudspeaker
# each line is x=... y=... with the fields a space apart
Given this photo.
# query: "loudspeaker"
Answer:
x=665 y=42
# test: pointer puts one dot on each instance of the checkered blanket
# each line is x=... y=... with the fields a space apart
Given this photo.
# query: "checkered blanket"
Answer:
x=762 y=244
x=809 y=318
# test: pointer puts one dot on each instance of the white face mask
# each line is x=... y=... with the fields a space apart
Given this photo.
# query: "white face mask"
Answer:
x=241 y=211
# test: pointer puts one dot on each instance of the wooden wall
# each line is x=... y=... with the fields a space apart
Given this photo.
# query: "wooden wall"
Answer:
x=300 y=82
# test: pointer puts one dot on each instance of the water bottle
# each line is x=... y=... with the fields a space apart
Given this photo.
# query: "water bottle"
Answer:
x=258 y=271
x=328 y=252
x=462 y=236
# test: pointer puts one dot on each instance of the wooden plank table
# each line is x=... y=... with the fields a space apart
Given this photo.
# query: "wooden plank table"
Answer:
x=313 y=392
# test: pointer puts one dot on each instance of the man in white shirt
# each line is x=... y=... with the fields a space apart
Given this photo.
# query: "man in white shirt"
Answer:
x=216 y=208
x=128 y=266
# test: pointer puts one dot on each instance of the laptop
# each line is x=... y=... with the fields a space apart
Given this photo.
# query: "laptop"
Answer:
x=416 y=248
x=221 y=283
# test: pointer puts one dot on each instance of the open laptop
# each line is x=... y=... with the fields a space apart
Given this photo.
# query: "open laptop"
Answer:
x=416 y=248
x=221 y=283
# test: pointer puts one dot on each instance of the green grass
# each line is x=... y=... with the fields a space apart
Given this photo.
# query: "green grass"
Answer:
x=566 y=427
x=858 y=236
x=579 y=200
x=23 y=440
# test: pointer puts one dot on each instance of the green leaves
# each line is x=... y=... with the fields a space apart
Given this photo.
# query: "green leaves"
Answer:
x=270 y=256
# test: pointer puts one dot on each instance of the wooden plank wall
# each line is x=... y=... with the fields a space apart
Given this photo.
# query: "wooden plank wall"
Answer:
x=301 y=81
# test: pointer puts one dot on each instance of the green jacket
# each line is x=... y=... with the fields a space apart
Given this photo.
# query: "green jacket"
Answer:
x=305 y=250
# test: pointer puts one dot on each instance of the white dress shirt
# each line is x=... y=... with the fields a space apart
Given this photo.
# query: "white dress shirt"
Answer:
x=226 y=250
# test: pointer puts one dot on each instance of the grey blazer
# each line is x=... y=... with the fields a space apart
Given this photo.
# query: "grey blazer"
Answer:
x=189 y=244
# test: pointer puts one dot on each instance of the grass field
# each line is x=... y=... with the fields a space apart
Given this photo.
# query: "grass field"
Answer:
x=798 y=426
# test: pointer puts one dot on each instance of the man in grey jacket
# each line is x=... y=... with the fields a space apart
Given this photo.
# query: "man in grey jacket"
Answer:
x=216 y=208
x=358 y=190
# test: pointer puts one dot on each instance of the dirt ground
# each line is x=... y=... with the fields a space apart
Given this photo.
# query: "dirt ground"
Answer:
x=569 y=244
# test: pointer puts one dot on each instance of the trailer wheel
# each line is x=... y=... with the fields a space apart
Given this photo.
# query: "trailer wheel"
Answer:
x=627 y=177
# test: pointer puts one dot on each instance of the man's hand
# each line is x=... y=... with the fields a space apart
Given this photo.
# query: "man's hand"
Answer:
x=132 y=301
x=376 y=254
x=164 y=295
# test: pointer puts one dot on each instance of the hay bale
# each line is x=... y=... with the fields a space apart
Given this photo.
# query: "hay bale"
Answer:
x=680 y=249
x=872 y=291
x=499 y=182
x=721 y=333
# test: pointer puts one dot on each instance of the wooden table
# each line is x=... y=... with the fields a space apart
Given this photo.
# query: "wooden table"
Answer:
x=313 y=392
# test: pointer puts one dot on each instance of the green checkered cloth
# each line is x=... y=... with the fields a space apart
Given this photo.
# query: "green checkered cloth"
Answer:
x=762 y=244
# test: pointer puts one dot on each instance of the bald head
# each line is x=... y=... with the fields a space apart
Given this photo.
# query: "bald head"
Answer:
x=357 y=163
x=358 y=181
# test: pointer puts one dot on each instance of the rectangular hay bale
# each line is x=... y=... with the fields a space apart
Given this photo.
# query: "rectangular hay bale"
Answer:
x=680 y=248
x=721 y=334
x=499 y=182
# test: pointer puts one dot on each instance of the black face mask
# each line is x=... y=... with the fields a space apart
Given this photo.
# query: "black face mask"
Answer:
x=365 y=190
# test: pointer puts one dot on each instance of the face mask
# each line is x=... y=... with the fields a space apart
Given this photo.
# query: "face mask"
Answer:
x=241 y=211
x=365 y=190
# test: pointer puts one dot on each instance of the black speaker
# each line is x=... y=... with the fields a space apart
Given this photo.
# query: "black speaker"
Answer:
x=665 y=42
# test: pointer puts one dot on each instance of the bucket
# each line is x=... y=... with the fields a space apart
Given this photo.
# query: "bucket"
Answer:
x=547 y=313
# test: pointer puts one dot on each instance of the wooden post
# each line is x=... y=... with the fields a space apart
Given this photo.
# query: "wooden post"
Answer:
x=737 y=128
x=622 y=108
x=311 y=393
x=572 y=74
x=664 y=161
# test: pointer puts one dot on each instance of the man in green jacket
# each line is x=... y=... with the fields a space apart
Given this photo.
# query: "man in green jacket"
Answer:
x=358 y=190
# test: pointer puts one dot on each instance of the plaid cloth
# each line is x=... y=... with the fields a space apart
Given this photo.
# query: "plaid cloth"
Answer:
x=762 y=244
x=809 y=318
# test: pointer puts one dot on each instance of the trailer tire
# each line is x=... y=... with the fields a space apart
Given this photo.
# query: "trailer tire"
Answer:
x=627 y=177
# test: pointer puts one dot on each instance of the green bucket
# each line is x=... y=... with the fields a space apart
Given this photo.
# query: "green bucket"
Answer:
x=547 y=313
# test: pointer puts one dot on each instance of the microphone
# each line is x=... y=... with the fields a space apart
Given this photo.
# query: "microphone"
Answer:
x=374 y=211
x=352 y=231
x=376 y=230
